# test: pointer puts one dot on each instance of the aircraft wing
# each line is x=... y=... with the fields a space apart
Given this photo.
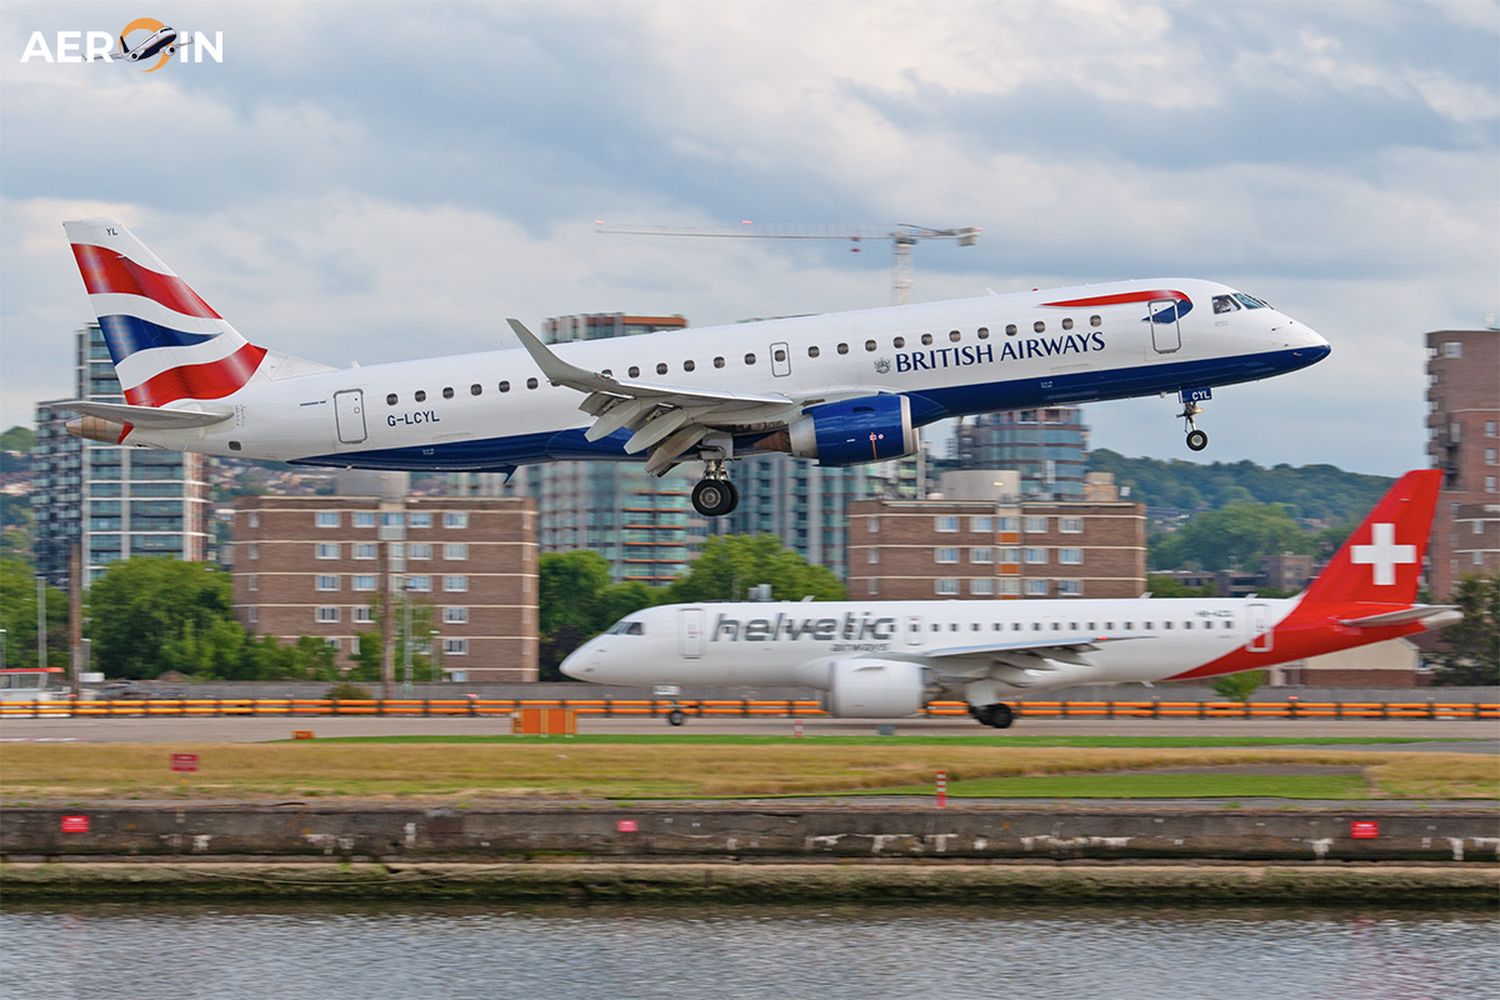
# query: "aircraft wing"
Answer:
x=148 y=417
x=667 y=420
x=1032 y=653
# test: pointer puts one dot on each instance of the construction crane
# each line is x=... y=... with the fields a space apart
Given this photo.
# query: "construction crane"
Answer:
x=903 y=237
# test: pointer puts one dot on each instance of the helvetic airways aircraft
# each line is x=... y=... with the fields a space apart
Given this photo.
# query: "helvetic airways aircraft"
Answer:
x=888 y=659
x=842 y=388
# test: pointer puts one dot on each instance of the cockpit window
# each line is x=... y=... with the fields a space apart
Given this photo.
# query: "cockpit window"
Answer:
x=626 y=628
x=1250 y=301
x=1225 y=304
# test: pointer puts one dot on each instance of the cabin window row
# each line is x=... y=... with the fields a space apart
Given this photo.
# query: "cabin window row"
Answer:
x=779 y=355
x=950 y=586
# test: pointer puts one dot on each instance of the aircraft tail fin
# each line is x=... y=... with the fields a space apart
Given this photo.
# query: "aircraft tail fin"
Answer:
x=165 y=341
x=1382 y=560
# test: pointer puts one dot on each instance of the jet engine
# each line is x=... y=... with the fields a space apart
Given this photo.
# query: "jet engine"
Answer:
x=876 y=689
x=851 y=431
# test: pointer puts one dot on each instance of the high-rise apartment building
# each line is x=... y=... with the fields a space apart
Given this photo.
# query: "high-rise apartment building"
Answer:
x=644 y=526
x=806 y=505
x=1048 y=446
x=1463 y=439
x=116 y=502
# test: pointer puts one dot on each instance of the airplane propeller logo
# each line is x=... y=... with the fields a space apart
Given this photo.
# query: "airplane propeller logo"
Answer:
x=1383 y=553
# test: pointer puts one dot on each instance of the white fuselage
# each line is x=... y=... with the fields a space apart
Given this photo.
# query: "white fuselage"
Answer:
x=798 y=644
x=495 y=410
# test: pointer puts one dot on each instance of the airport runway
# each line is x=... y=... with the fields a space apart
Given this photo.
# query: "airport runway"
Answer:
x=256 y=730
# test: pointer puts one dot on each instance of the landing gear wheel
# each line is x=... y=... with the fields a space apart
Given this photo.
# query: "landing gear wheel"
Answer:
x=675 y=717
x=715 y=497
x=1197 y=440
x=998 y=715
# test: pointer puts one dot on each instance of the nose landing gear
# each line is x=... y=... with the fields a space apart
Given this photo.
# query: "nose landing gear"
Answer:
x=1196 y=440
x=715 y=495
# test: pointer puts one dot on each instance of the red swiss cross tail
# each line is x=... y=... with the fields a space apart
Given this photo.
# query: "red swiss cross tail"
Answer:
x=1383 y=558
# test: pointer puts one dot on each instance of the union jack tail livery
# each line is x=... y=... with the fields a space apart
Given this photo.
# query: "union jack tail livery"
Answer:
x=167 y=344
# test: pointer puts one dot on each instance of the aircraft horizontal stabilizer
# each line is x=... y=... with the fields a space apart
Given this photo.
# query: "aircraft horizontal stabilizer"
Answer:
x=1444 y=614
x=148 y=417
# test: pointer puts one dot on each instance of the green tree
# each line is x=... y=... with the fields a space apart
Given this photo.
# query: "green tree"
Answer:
x=1240 y=686
x=18 y=616
x=147 y=610
x=1165 y=586
x=578 y=601
x=731 y=564
x=1470 y=649
x=1239 y=535
x=368 y=660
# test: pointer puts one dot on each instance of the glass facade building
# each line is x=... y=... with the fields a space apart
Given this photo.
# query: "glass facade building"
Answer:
x=1047 y=446
x=117 y=502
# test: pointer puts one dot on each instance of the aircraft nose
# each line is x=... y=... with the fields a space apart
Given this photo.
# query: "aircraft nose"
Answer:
x=574 y=665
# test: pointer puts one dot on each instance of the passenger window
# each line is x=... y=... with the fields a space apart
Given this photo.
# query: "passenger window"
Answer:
x=531 y=383
x=1039 y=326
x=634 y=371
x=843 y=348
x=475 y=389
x=1225 y=304
x=813 y=352
x=661 y=369
x=420 y=395
x=984 y=333
x=718 y=362
x=505 y=387
x=749 y=359
x=869 y=345
x=955 y=336
x=1095 y=320
x=926 y=339
x=1015 y=626
x=447 y=392
x=899 y=343
x=688 y=366
x=390 y=400
x=1068 y=324
x=778 y=354
x=1010 y=329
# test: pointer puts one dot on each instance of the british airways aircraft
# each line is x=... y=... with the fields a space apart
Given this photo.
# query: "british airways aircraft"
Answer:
x=888 y=659
x=841 y=388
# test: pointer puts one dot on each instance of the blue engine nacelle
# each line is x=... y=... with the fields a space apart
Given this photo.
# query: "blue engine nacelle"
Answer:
x=851 y=431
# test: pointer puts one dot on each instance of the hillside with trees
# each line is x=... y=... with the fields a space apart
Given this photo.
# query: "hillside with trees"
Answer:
x=1315 y=495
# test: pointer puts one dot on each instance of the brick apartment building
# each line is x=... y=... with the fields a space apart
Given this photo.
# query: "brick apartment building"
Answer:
x=984 y=549
x=1463 y=439
x=312 y=566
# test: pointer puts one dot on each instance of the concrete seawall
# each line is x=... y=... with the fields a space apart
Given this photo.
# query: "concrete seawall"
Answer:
x=733 y=832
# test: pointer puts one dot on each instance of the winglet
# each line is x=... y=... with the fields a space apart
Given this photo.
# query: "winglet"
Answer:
x=558 y=371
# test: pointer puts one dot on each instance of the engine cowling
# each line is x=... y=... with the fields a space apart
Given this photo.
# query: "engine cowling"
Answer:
x=851 y=431
x=876 y=689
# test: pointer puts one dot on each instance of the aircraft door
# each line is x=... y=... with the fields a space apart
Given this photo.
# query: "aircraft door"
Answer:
x=349 y=414
x=1260 y=629
x=1166 y=334
x=914 y=629
x=781 y=360
x=690 y=632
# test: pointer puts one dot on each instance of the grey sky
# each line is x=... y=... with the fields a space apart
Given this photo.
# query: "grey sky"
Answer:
x=375 y=182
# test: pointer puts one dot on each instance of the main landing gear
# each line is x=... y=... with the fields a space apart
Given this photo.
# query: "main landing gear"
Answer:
x=715 y=495
x=1196 y=440
x=998 y=715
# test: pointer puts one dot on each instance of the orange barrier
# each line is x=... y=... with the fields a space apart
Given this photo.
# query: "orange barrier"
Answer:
x=1292 y=708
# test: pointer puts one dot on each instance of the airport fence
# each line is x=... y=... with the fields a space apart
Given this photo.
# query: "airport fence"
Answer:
x=1290 y=708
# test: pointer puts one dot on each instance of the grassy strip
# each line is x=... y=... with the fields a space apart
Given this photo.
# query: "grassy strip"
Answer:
x=79 y=771
x=1148 y=785
x=979 y=738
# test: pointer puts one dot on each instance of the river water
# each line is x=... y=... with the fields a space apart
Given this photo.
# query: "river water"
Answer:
x=335 y=952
